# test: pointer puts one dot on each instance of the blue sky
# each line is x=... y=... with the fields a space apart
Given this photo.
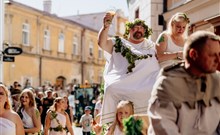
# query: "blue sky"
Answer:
x=72 y=7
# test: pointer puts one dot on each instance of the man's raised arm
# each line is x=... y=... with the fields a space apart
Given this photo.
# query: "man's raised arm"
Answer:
x=103 y=40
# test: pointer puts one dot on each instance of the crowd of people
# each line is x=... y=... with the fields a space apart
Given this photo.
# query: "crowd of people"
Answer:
x=33 y=112
x=172 y=85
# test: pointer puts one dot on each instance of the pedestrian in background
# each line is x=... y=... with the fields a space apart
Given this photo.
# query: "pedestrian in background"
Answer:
x=47 y=102
x=86 y=121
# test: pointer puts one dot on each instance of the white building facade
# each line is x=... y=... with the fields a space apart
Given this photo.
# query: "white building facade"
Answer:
x=203 y=14
x=149 y=11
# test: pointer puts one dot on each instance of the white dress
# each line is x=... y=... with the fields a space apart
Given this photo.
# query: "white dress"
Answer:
x=7 y=127
x=135 y=86
x=27 y=121
x=171 y=47
x=54 y=124
x=117 y=131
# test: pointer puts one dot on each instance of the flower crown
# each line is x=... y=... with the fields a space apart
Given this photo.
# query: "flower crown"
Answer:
x=130 y=25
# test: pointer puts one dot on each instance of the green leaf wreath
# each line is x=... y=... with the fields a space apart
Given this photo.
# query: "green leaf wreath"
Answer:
x=128 y=54
x=132 y=126
x=130 y=25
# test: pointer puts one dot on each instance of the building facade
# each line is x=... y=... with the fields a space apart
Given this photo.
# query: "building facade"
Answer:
x=56 y=50
x=149 y=11
x=203 y=14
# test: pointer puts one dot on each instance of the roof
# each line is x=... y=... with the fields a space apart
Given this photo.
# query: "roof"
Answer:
x=93 y=21
x=11 y=2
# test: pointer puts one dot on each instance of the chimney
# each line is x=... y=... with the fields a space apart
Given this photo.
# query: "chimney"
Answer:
x=47 y=6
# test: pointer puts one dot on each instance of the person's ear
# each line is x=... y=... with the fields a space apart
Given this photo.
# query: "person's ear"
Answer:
x=193 y=54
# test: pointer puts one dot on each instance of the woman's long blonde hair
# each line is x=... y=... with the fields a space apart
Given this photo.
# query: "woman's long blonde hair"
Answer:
x=177 y=18
x=7 y=104
x=31 y=97
x=55 y=102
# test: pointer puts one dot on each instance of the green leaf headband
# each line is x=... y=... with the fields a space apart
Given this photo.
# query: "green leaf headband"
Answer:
x=186 y=18
x=181 y=15
x=130 y=25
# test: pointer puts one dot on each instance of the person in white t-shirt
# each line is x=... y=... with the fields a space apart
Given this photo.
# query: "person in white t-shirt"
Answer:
x=86 y=121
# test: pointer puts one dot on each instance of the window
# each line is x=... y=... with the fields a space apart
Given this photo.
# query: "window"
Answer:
x=46 y=39
x=75 y=45
x=91 y=48
x=25 y=34
x=61 y=43
x=100 y=53
x=217 y=30
x=137 y=13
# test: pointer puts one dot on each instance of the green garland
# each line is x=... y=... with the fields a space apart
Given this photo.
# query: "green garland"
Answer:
x=186 y=18
x=59 y=128
x=132 y=126
x=130 y=25
x=128 y=54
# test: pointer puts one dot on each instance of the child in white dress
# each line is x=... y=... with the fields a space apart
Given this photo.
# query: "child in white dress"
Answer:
x=124 y=110
x=57 y=119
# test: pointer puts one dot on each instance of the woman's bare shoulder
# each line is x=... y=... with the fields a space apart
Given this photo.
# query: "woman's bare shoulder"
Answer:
x=164 y=34
x=12 y=116
x=162 y=37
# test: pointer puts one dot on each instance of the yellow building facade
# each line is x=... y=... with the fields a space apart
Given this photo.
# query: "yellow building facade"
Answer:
x=53 y=48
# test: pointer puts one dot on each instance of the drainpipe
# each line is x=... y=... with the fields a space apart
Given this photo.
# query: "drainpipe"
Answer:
x=38 y=51
x=82 y=55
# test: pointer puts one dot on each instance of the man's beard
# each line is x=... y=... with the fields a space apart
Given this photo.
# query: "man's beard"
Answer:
x=138 y=35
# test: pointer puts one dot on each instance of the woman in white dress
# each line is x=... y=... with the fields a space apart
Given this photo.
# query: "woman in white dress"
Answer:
x=57 y=119
x=29 y=113
x=170 y=42
x=10 y=122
